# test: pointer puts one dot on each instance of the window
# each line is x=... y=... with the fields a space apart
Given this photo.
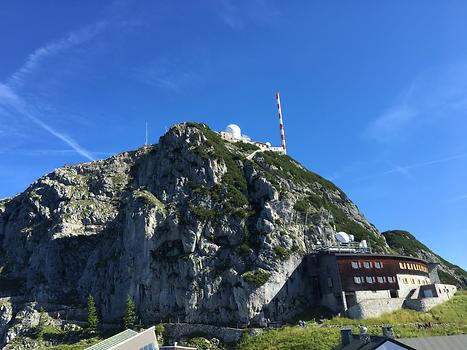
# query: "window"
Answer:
x=357 y=280
x=384 y=279
x=378 y=264
x=150 y=346
x=391 y=279
x=380 y=279
x=367 y=264
x=329 y=282
x=369 y=279
x=355 y=264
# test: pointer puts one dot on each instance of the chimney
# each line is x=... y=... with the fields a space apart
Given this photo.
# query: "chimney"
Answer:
x=346 y=335
x=387 y=331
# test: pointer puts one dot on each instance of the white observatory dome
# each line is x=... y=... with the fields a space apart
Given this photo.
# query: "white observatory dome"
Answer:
x=342 y=237
x=234 y=130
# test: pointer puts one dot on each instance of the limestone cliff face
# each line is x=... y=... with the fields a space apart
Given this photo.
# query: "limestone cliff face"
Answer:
x=190 y=228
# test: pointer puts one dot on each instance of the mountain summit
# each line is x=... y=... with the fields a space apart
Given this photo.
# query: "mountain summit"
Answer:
x=194 y=228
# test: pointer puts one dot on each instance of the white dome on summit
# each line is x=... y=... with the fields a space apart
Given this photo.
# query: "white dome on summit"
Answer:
x=234 y=130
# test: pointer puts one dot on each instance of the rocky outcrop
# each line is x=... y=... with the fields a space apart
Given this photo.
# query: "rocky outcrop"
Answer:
x=191 y=228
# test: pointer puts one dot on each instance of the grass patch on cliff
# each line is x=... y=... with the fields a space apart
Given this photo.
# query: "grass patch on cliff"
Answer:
x=203 y=214
x=258 y=278
x=288 y=168
x=301 y=206
x=148 y=198
x=81 y=345
x=282 y=252
x=446 y=278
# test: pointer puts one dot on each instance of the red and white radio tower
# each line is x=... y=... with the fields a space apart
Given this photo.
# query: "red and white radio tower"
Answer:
x=278 y=98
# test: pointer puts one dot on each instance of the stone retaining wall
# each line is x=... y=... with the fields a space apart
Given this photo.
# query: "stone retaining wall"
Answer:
x=179 y=331
x=374 y=307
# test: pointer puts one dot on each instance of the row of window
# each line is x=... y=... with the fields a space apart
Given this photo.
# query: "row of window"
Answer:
x=414 y=281
x=367 y=264
x=373 y=279
x=411 y=266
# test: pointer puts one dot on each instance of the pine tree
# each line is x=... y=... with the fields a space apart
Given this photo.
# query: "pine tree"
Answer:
x=93 y=321
x=129 y=319
x=41 y=325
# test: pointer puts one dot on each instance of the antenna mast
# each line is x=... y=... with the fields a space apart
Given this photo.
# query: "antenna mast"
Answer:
x=281 y=123
x=146 y=141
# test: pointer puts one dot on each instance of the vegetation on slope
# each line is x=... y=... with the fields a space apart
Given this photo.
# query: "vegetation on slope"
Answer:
x=447 y=319
x=406 y=243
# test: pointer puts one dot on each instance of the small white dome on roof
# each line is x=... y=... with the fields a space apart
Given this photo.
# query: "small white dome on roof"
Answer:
x=342 y=237
x=235 y=130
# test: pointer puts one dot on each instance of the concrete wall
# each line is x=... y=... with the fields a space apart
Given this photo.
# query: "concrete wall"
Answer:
x=368 y=294
x=374 y=307
x=440 y=293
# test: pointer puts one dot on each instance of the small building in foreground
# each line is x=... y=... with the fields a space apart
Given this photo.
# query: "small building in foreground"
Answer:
x=129 y=340
x=364 y=341
x=449 y=342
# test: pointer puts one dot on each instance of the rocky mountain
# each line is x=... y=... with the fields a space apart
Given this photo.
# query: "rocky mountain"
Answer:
x=193 y=228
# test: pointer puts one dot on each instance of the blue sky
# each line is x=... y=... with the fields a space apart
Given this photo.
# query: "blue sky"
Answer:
x=374 y=94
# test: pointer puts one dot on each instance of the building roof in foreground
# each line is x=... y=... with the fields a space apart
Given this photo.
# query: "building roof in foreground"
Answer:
x=374 y=343
x=450 y=342
x=115 y=340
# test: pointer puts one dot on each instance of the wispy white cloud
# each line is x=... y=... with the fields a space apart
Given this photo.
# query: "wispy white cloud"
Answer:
x=53 y=48
x=50 y=152
x=459 y=198
x=239 y=14
x=405 y=170
x=230 y=14
x=11 y=101
x=166 y=73
x=430 y=97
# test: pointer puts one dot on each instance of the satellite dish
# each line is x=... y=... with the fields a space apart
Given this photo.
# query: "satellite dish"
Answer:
x=342 y=237
x=234 y=130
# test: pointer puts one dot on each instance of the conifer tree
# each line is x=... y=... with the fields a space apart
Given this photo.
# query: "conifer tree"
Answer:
x=41 y=325
x=93 y=321
x=129 y=320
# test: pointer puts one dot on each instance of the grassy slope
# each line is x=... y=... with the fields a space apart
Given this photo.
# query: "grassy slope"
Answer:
x=448 y=318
